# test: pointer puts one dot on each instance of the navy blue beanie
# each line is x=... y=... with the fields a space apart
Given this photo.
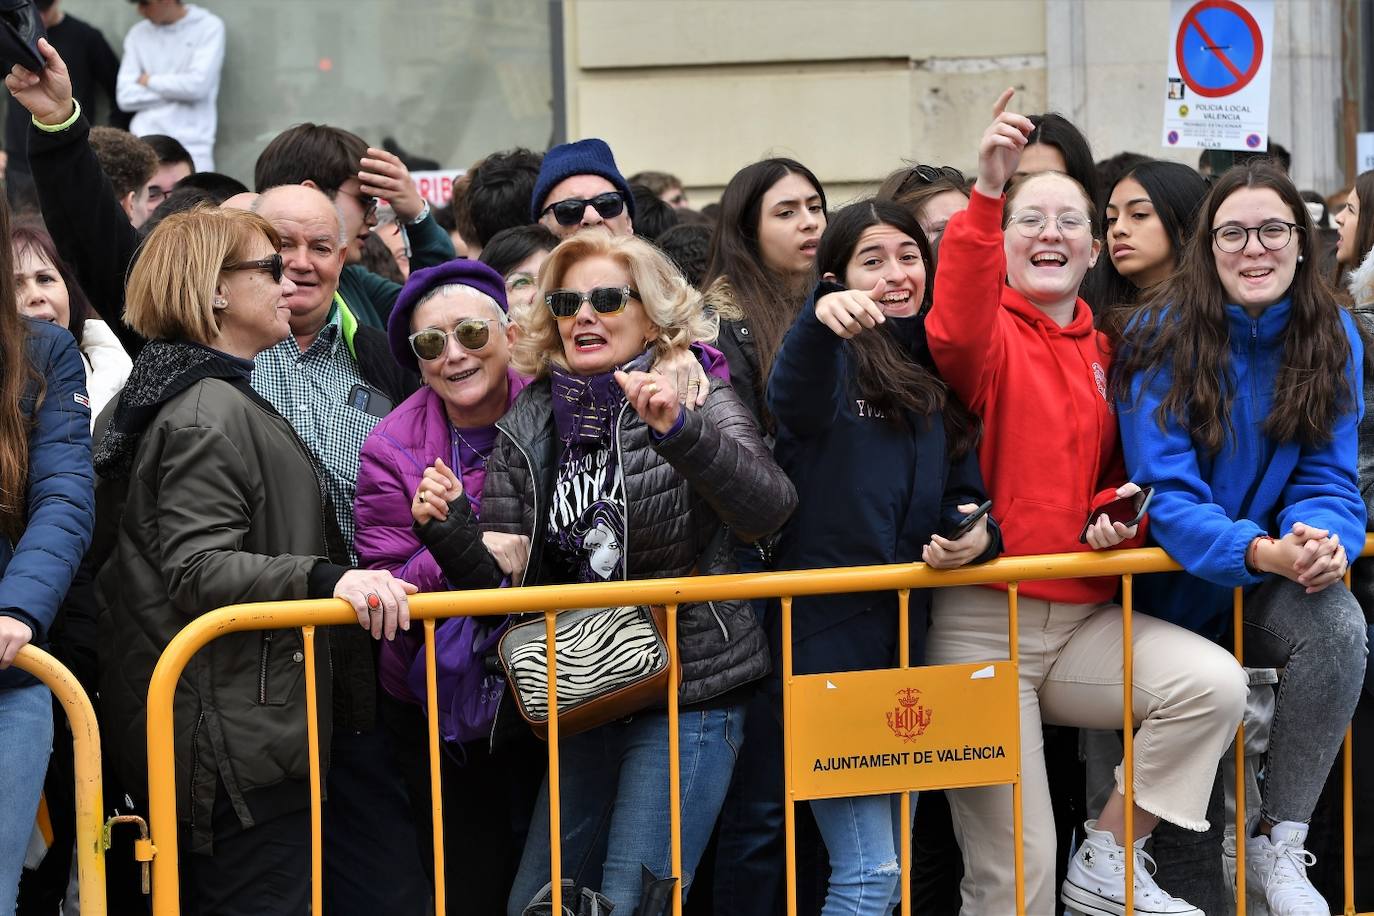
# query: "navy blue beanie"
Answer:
x=585 y=157
x=458 y=272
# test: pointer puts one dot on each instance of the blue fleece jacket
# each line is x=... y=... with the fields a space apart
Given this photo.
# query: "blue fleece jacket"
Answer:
x=36 y=571
x=1207 y=510
x=869 y=492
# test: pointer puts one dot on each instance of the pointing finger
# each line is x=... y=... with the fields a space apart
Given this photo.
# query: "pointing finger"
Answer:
x=1002 y=101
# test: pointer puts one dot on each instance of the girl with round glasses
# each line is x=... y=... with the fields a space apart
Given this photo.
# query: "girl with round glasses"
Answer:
x=605 y=474
x=1240 y=392
x=1013 y=339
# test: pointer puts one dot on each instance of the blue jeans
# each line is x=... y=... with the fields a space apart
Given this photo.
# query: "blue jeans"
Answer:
x=863 y=835
x=25 y=743
x=615 y=803
x=1319 y=641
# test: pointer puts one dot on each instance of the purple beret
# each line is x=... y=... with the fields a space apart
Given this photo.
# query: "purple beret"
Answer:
x=459 y=272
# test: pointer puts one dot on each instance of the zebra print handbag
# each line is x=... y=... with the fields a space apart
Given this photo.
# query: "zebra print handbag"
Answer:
x=611 y=662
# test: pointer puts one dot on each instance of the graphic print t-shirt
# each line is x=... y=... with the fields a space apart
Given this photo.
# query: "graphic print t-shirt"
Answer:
x=587 y=518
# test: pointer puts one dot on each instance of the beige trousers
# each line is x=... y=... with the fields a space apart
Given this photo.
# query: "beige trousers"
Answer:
x=1189 y=695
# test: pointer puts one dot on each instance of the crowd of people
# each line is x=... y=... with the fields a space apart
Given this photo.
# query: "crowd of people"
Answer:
x=327 y=386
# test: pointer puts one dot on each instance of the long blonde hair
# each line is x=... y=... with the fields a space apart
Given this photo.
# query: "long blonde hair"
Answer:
x=172 y=286
x=671 y=304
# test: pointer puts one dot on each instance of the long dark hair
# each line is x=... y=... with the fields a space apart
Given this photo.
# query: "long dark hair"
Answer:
x=1182 y=330
x=768 y=301
x=27 y=237
x=1176 y=191
x=1364 y=222
x=885 y=374
x=19 y=380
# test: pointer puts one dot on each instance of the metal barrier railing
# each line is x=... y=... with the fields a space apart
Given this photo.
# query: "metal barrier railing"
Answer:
x=90 y=826
x=669 y=592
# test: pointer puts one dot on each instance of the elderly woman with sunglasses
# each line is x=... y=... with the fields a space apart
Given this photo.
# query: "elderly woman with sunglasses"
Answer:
x=221 y=505
x=601 y=468
x=451 y=326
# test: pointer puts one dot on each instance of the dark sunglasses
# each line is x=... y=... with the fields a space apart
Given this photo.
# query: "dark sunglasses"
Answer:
x=606 y=300
x=929 y=174
x=569 y=212
x=471 y=333
x=272 y=264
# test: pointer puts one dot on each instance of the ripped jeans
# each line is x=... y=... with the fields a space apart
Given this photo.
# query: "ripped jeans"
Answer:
x=862 y=835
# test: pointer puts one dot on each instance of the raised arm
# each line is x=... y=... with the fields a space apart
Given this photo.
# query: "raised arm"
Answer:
x=92 y=233
x=965 y=328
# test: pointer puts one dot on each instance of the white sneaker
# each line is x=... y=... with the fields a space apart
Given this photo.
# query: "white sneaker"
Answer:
x=1096 y=882
x=1276 y=866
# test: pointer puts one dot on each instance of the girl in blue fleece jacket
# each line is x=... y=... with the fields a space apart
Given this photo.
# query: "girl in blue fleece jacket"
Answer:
x=1251 y=449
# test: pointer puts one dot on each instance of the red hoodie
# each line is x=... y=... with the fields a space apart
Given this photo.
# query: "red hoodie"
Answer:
x=1050 y=452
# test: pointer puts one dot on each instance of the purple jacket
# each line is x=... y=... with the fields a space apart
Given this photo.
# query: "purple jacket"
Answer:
x=393 y=461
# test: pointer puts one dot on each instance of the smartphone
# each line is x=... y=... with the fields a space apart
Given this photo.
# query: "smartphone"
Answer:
x=368 y=400
x=1128 y=510
x=968 y=521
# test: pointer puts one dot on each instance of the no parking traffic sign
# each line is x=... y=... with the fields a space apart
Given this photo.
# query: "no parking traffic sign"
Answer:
x=1217 y=92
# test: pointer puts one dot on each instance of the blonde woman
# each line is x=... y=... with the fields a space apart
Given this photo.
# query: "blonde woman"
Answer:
x=606 y=474
x=221 y=505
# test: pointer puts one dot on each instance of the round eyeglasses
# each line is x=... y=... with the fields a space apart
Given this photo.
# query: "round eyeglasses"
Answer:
x=1072 y=224
x=1273 y=235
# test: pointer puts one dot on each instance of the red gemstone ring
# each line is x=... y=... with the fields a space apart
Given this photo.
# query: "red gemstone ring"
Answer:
x=373 y=602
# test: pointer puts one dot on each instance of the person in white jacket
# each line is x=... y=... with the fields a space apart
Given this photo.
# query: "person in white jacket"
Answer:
x=46 y=291
x=169 y=77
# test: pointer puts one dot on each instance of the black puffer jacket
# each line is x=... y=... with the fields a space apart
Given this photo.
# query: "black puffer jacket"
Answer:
x=715 y=471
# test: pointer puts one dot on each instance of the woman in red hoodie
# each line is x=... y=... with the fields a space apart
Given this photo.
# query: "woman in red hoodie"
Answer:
x=1013 y=339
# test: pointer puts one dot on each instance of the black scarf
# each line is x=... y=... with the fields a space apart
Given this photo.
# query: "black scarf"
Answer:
x=162 y=370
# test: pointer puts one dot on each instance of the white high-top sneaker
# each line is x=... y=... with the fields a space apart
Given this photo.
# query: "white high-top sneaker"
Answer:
x=1096 y=882
x=1276 y=866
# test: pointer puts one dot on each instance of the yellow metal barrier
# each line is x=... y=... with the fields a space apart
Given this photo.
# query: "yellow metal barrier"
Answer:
x=669 y=592
x=90 y=827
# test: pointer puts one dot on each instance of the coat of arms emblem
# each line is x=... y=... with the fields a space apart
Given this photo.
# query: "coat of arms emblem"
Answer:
x=910 y=718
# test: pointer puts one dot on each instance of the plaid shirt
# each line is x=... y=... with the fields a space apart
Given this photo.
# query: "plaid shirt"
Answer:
x=310 y=390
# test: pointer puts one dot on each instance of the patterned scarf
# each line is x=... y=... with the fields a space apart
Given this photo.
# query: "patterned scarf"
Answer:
x=162 y=370
x=585 y=406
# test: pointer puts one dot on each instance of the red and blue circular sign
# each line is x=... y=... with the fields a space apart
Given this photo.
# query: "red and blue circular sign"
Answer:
x=1253 y=141
x=1173 y=137
x=1219 y=48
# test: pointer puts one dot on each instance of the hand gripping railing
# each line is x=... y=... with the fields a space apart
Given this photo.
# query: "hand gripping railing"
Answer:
x=549 y=600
